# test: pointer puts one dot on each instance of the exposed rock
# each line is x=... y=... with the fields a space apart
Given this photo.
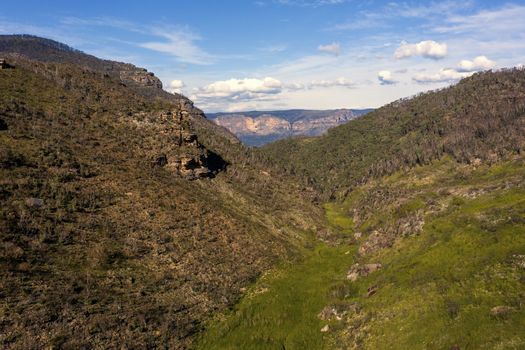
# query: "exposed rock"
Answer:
x=385 y=238
x=4 y=64
x=161 y=161
x=182 y=152
x=258 y=128
x=358 y=270
x=501 y=311
x=371 y=291
x=376 y=240
x=140 y=76
x=519 y=261
x=337 y=312
x=352 y=276
x=325 y=329
x=34 y=202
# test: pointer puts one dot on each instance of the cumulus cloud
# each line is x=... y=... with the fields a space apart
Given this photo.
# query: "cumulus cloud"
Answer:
x=464 y=69
x=477 y=64
x=385 y=77
x=428 y=49
x=176 y=86
x=333 y=49
x=239 y=89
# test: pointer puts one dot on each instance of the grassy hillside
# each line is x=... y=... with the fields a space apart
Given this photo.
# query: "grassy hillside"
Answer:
x=481 y=118
x=102 y=240
x=450 y=242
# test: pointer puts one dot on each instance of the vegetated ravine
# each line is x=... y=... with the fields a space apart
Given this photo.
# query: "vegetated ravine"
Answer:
x=129 y=220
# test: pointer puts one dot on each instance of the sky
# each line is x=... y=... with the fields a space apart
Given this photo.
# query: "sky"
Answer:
x=234 y=55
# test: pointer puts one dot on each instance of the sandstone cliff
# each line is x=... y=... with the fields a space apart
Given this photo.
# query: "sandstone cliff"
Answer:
x=258 y=128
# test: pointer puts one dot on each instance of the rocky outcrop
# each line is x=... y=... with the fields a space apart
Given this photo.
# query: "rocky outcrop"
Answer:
x=358 y=270
x=130 y=73
x=337 y=312
x=184 y=155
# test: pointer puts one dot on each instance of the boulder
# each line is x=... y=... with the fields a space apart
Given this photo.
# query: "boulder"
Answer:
x=501 y=311
x=358 y=270
x=161 y=160
x=34 y=202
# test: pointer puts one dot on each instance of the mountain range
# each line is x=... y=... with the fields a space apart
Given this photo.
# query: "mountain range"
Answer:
x=257 y=128
x=128 y=219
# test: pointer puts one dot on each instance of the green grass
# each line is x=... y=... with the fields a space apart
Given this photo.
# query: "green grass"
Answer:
x=337 y=218
x=280 y=311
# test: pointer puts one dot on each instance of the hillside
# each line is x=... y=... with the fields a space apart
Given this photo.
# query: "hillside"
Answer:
x=127 y=218
x=481 y=119
x=257 y=128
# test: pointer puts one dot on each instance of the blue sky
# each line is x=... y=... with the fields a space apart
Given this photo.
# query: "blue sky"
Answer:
x=277 y=54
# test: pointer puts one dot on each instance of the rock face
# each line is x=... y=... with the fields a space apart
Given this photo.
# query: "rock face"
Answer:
x=140 y=76
x=258 y=128
x=184 y=154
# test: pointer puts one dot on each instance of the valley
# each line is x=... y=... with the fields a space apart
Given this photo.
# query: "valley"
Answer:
x=129 y=219
x=422 y=276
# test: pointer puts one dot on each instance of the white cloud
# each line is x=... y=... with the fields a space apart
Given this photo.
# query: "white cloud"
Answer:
x=333 y=49
x=295 y=86
x=181 y=45
x=385 y=77
x=477 y=64
x=427 y=49
x=237 y=94
x=237 y=89
x=445 y=75
x=464 y=69
x=176 y=86
x=330 y=83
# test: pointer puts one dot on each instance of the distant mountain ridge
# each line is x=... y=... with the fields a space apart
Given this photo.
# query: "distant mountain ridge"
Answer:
x=256 y=128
